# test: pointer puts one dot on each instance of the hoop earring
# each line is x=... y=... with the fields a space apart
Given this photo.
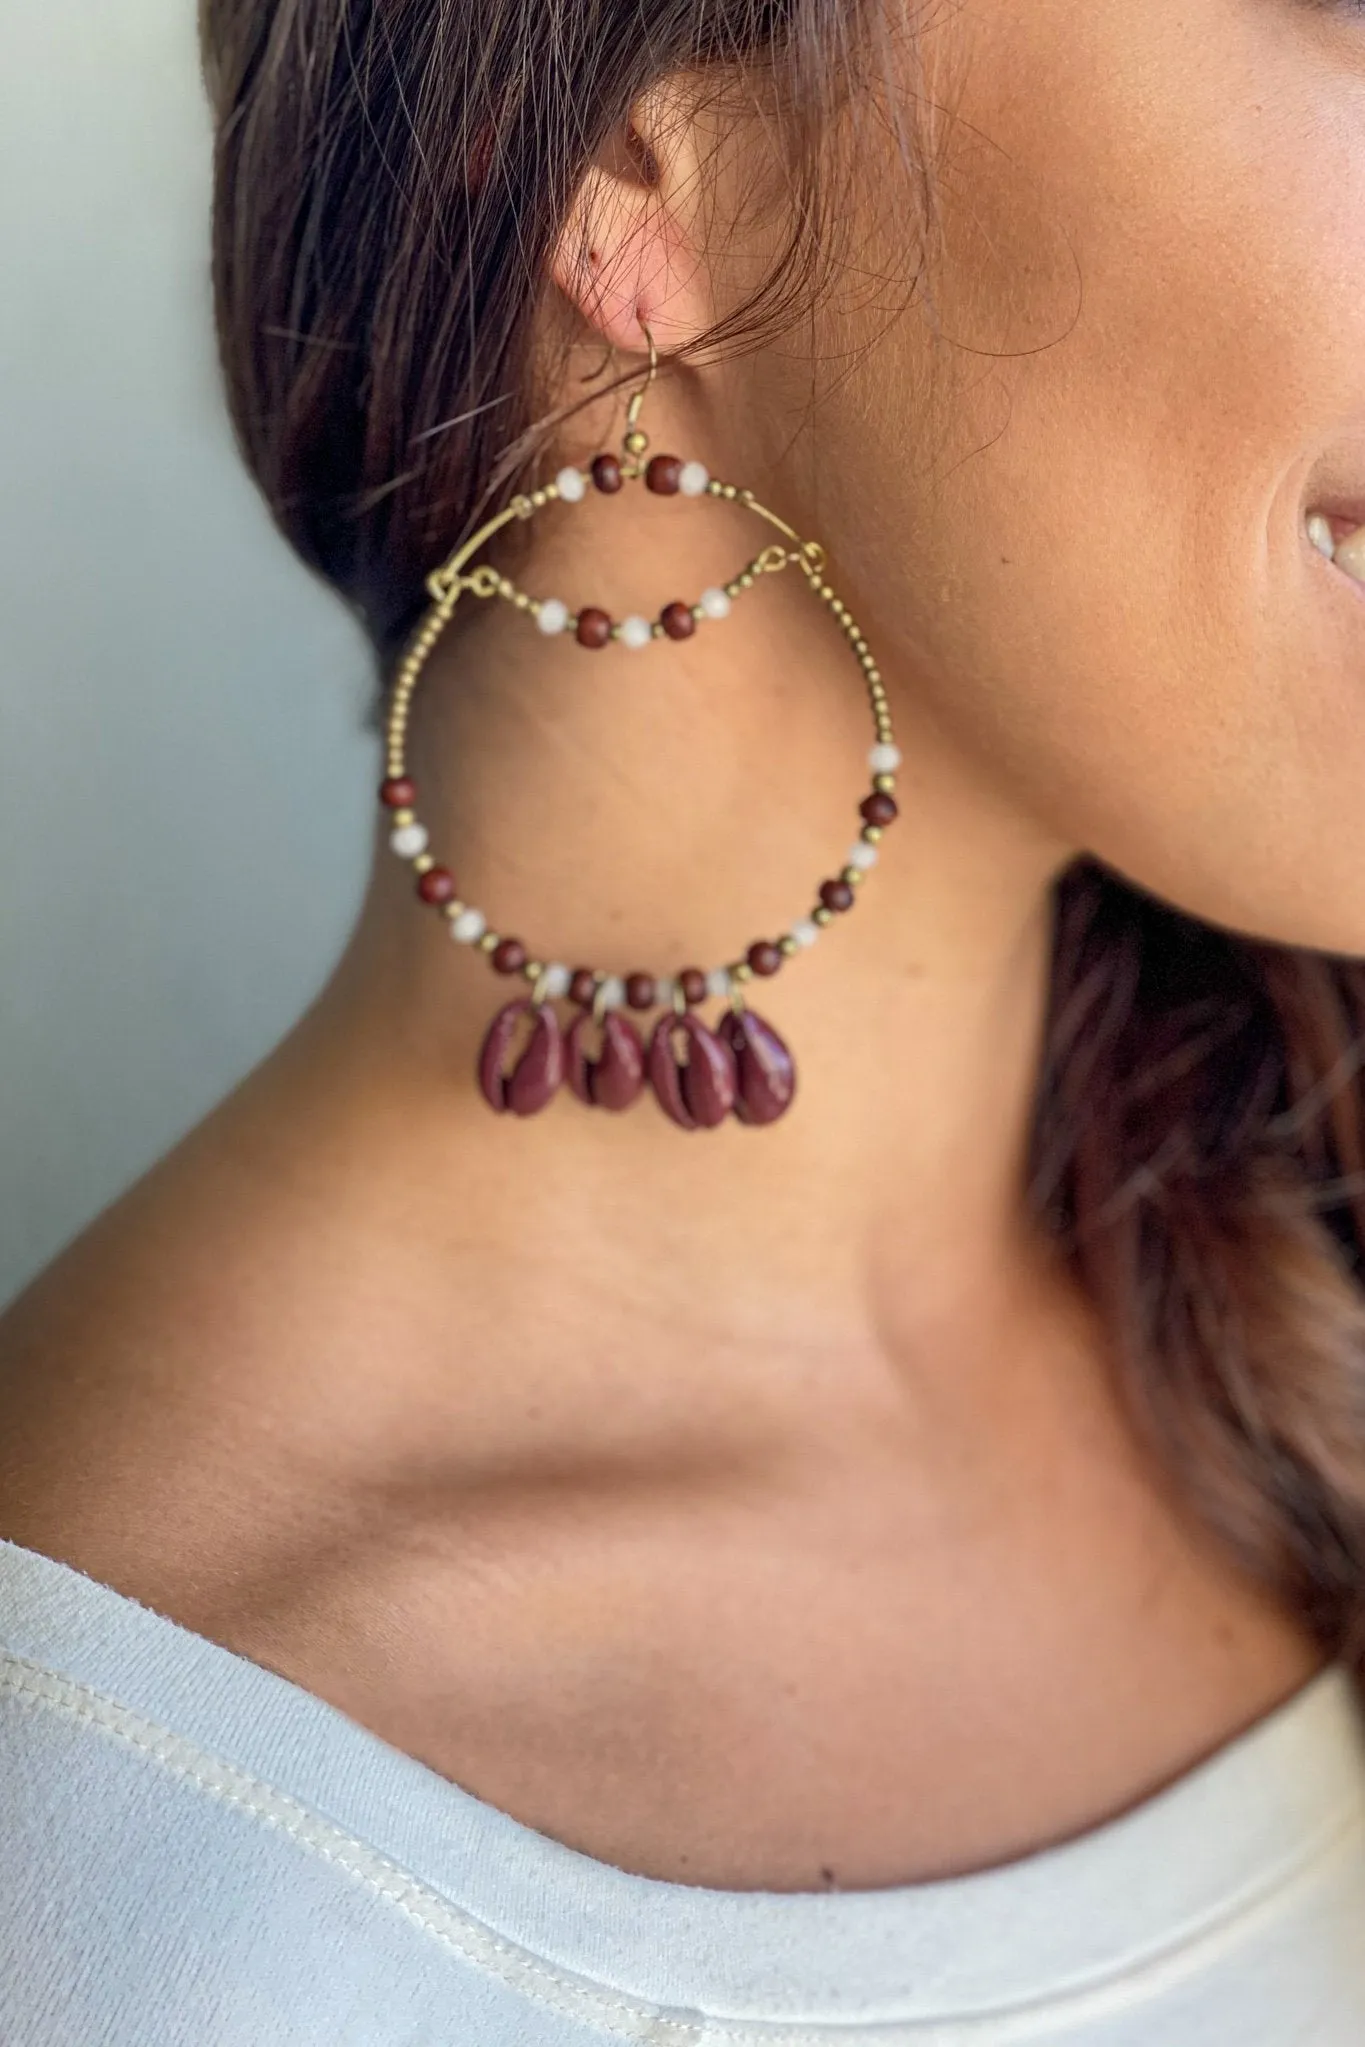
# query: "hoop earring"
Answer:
x=700 y=1076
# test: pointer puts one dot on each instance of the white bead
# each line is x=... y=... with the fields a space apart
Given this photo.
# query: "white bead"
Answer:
x=410 y=840
x=664 y=990
x=555 y=981
x=468 y=928
x=636 y=631
x=884 y=760
x=862 y=855
x=805 y=933
x=718 y=983
x=694 y=479
x=572 y=486
x=611 y=993
x=552 y=615
x=715 y=602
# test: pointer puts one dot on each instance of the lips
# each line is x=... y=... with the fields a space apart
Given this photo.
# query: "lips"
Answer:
x=1333 y=505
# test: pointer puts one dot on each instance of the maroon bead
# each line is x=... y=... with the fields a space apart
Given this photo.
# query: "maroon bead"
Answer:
x=537 y=1075
x=614 y=1079
x=437 y=885
x=766 y=1070
x=606 y=474
x=583 y=987
x=879 y=808
x=699 y=1092
x=399 y=792
x=836 y=895
x=765 y=958
x=664 y=475
x=509 y=956
x=692 y=981
x=594 y=627
x=640 y=991
x=677 y=621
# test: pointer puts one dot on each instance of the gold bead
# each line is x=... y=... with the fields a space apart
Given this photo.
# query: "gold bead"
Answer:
x=731 y=491
x=522 y=601
x=872 y=833
x=746 y=581
x=489 y=942
x=884 y=784
x=423 y=863
x=852 y=875
x=788 y=946
x=453 y=909
x=742 y=972
x=826 y=593
x=636 y=441
x=533 y=970
x=822 y=916
x=403 y=817
x=540 y=499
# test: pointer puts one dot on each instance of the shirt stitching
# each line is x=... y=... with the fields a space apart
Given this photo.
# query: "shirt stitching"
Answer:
x=540 y=1982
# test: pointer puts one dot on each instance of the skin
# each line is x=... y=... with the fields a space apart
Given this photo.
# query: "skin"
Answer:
x=756 y=1509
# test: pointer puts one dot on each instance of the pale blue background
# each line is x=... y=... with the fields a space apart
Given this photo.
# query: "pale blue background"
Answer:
x=185 y=770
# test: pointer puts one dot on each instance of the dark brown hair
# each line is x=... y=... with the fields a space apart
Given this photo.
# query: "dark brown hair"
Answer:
x=391 y=177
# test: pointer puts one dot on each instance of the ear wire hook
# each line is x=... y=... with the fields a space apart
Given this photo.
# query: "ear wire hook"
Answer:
x=635 y=439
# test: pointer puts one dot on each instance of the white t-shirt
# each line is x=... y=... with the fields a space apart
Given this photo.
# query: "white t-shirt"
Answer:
x=196 y=1853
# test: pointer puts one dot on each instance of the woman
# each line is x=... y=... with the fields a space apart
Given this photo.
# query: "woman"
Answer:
x=895 y=1570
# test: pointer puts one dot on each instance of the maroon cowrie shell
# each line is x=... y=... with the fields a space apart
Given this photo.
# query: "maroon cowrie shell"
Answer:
x=539 y=1073
x=701 y=1093
x=767 y=1071
x=616 y=1076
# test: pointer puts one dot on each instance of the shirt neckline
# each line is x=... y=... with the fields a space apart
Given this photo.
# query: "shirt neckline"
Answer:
x=1129 y=1896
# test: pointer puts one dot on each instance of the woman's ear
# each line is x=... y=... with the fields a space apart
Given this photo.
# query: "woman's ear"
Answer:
x=629 y=251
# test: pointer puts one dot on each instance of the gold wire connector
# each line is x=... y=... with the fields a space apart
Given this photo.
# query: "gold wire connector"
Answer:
x=635 y=441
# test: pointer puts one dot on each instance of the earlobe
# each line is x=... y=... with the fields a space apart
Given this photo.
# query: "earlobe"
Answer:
x=625 y=258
